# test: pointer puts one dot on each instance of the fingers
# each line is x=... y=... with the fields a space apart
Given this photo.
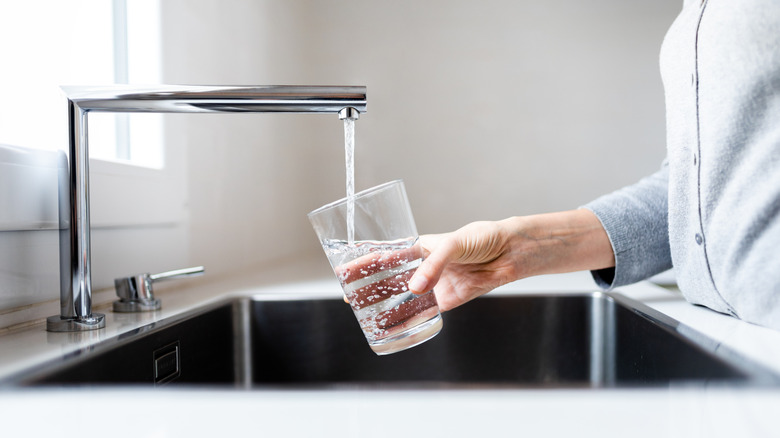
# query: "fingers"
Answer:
x=367 y=265
x=419 y=282
x=374 y=262
x=431 y=269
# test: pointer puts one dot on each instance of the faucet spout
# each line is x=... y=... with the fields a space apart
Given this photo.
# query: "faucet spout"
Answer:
x=218 y=99
x=349 y=113
x=75 y=276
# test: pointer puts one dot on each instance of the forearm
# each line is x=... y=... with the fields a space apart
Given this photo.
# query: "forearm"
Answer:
x=552 y=243
x=482 y=256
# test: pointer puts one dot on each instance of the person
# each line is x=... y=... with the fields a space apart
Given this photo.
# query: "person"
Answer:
x=712 y=210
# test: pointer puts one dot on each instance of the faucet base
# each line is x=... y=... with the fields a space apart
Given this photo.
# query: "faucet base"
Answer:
x=93 y=322
x=122 y=306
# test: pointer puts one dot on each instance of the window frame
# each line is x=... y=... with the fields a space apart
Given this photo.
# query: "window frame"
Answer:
x=138 y=214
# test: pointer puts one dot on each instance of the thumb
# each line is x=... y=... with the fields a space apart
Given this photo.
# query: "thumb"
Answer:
x=428 y=273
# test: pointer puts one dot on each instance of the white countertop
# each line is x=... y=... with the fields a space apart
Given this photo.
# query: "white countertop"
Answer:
x=553 y=412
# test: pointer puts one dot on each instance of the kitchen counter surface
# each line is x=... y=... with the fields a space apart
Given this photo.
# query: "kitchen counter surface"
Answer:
x=677 y=411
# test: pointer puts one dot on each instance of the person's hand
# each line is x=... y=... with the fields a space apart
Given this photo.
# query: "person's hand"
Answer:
x=482 y=256
x=465 y=264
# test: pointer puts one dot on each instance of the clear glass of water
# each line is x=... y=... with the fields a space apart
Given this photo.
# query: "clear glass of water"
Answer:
x=371 y=242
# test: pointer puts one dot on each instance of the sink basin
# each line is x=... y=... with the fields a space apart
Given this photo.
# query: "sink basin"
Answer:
x=590 y=340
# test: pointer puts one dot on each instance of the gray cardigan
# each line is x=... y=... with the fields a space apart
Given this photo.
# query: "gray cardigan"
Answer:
x=713 y=209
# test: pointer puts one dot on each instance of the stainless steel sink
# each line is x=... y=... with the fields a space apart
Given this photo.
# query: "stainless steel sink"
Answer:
x=575 y=340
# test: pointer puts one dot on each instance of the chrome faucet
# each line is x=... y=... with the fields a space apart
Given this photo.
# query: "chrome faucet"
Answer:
x=136 y=292
x=75 y=275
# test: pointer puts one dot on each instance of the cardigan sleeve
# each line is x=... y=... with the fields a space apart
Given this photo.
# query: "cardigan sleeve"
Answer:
x=636 y=221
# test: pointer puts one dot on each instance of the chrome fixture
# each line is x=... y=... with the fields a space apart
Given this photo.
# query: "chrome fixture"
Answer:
x=75 y=275
x=136 y=295
x=349 y=113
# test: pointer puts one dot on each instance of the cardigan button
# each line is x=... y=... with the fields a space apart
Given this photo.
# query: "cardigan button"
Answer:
x=699 y=239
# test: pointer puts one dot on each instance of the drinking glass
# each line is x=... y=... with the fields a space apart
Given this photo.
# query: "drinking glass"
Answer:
x=372 y=245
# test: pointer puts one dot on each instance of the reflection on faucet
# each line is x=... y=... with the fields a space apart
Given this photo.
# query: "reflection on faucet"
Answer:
x=75 y=276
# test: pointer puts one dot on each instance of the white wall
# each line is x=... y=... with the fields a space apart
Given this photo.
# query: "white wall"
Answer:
x=486 y=109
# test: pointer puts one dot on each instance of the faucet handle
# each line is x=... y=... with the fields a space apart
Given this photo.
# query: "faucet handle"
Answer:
x=136 y=295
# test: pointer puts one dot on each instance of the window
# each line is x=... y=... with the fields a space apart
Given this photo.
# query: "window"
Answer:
x=79 y=42
x=86 y=42
x=137 y=181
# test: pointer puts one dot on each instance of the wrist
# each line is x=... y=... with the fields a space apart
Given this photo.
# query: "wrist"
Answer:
x=560 y=242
